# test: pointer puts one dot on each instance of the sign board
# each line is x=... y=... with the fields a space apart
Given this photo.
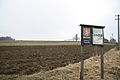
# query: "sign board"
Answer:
x=86 y=35
x=91 y=34
x=97 y=37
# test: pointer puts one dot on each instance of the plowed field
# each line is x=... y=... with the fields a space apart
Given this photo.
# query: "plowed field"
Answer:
x=32 y=59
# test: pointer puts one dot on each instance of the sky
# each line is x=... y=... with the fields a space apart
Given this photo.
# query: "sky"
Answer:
x=56 y=19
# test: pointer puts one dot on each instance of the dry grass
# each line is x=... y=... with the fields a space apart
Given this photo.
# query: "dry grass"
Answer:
x=37 y=43
x=91 y=72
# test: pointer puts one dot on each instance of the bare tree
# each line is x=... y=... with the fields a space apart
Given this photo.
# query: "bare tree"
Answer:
x=76 y=38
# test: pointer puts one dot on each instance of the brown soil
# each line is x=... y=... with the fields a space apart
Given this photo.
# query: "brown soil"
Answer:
x=91 y=70
x=32 y=59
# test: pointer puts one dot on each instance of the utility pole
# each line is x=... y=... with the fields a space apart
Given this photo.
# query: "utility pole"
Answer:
x=118 y=31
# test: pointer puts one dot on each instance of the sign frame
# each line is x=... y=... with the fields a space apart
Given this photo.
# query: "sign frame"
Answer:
x=91 y=27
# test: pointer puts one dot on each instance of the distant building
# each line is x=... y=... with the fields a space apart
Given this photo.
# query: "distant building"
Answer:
x=106 y=40
x=112 y=40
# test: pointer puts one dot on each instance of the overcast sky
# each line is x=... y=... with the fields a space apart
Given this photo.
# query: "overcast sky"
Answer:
x=56 y=19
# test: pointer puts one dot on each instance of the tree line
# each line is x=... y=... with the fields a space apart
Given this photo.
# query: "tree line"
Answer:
x=6 y=38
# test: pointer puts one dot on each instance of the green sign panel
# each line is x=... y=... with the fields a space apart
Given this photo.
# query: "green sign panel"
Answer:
x=86 y=33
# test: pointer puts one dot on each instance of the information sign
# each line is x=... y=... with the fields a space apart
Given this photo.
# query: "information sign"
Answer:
x=92 y=35
x=97 y=37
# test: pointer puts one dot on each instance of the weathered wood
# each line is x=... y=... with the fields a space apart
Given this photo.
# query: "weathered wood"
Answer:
x=82 y=64
x=102 y=62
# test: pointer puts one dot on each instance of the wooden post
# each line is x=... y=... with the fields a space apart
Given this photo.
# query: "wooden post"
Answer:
x=82 y=64
x=102 y=63
x=96 y=51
